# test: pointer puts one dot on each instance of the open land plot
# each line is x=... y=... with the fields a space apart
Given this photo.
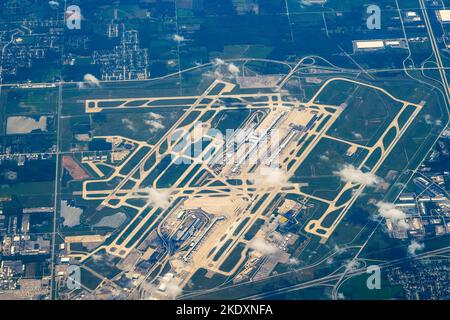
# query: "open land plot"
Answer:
x=27 y=118
x=29 y=100
x=320 y=167
x=367 y=113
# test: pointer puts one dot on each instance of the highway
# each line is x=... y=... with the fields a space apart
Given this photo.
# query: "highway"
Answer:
x=315 y=282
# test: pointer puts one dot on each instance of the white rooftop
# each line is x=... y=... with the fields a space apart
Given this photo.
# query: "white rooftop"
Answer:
x=369 y=44
x=444 y=15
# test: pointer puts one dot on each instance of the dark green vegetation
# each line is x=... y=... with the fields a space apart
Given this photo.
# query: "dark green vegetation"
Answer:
x=224 y=29
x=222 y=249
x=254 y=229
x=320 y=167
x=355 y=288
x=367 y=113
x=31 y=185
x=233 y=258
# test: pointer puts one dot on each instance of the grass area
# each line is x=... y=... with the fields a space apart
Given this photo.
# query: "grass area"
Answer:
x=367 y=114
x=336 y=93
x=30 y=194
x=136 y=124
x=233 y=258
x=89 y=280
x=104 y=264
x=229 y=120
x=201 y=280
x=222 y=249
x=29 y=101
x=254 y=229
x=319 y=167
x=356 y=288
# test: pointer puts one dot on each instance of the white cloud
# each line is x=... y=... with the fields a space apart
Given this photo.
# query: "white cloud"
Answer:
x=89 y=80
x=357 y=135
x=414 y=247
x=97 y=258
x=154 y=125
x=352 y=265
x=338 y=249
x=263 y=247
x=269 y=176
x=233 y=69
x=167 y=286
x=223 y=70
x=53 y=4
x=129 y=124
x=156 y=116
x=393 y=213
x=172 y=289
x=306 y=2
x=218 y=75
x=293 y=262
x=430 y=121
x=154 y=121
x=349 y=173
x=178 y=38
x=159 y=197
x=218 y=62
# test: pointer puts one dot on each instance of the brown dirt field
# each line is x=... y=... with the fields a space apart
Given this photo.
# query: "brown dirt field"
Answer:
x=75 y=170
